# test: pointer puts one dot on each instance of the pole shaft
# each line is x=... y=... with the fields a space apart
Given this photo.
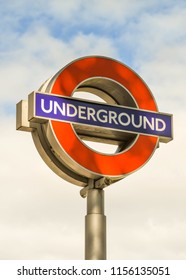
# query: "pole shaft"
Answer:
x=95 y=226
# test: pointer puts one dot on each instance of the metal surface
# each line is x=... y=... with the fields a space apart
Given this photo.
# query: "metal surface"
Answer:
x=95 y=226
x=49 y=157
x=43 y=146
x=22 y=122
x=109 y=90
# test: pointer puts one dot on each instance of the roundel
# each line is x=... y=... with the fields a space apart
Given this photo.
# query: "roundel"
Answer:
x=66 y=143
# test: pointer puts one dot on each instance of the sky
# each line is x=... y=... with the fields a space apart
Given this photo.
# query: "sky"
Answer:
x=41 y=215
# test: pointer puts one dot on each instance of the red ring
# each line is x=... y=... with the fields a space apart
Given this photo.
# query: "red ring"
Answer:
x=107 y=165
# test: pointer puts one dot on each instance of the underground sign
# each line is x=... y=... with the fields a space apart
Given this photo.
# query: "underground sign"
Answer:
x=127 y=117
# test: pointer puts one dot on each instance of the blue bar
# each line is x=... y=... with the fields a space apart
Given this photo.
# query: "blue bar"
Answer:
x=49 y=106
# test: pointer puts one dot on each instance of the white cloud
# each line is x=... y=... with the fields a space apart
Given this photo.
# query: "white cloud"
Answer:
x=158 y=44
x=38 y=56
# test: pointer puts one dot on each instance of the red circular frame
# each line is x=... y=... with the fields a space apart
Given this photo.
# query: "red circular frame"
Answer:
x=106 y=165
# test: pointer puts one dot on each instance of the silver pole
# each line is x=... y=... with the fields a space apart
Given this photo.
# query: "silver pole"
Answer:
x=95 y=226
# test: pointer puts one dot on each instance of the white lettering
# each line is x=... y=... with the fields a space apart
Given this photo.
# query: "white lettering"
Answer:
x=104 y=118
x=147 y=122
x=158 y=128
x=60 y=109
x=112 y=117
x=124 y=115
x=91 y=114
x=44 y=109
x=133 y=121
x=81 y=112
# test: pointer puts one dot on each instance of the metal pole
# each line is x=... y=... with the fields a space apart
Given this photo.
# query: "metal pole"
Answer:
x=95 y=226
